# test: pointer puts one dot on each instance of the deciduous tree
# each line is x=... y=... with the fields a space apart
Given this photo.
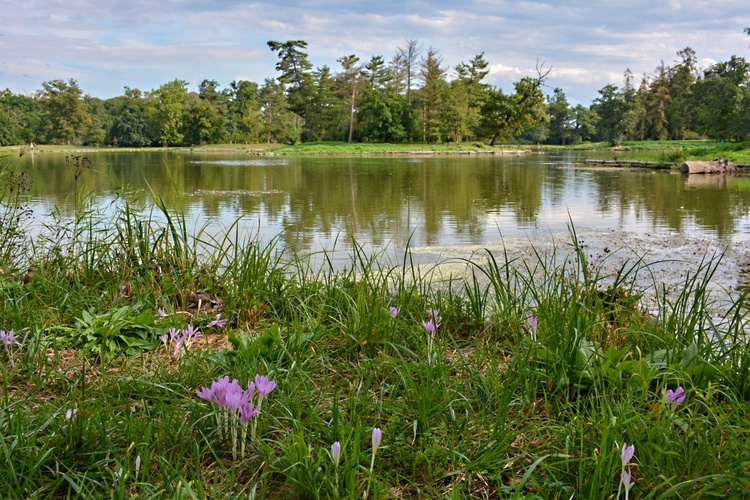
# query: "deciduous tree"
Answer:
x=281 y=124
x=505 y=116
x=66 y=118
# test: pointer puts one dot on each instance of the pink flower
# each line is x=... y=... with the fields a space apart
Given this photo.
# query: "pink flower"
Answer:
x=394 y=311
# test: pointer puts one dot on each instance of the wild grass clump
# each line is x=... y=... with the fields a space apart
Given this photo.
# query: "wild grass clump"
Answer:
x=139 y=356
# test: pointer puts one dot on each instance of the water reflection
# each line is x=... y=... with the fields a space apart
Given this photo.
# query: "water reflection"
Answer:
x=431 y=201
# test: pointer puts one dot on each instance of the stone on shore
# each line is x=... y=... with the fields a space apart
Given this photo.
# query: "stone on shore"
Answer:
x=715 y=166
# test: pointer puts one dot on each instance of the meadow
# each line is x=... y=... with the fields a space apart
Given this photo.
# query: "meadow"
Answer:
x=142 y=359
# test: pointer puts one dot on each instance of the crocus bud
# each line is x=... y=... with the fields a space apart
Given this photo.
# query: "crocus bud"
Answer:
x=377 y=436
x=336 y=453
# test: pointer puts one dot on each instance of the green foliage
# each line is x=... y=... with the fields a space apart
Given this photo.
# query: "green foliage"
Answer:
x=282 y=125
x=126 y=330
x=23 y=118
x=381 y=101
x=166 y=109
x=296 y=74
x=505 y=116
x=66 y=118
x=561 y=118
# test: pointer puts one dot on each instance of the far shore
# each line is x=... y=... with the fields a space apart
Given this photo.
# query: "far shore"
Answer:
x=663 y=154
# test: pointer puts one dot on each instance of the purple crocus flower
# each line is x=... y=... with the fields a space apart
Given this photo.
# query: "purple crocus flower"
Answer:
x=161 y=312
x=250 y=390
x=394 y=311
x=627 y=481
x=676 y=397
x=434 y=314
x=7 y=338
x=234 y=400
x=205 y=393
x=626 y=453
x=219 y=389
x=178 y=345
x=248 y=412
x=533 y=321
x=191 y=333
x=217 y=322
x=264 y=386
x=429 y=326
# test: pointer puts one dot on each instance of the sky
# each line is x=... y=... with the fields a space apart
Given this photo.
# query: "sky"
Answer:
x=106 y=45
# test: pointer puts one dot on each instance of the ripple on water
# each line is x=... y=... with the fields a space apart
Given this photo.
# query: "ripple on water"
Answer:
x=241 y=163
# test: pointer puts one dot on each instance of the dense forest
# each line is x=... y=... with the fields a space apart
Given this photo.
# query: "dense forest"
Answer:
x=412 y=97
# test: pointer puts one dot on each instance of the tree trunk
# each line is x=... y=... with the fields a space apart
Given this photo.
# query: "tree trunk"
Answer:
x=351 y=113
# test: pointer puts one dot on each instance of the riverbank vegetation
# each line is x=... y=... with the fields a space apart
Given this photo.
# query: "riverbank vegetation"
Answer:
x=653 y=151
x=410 y=98
x=142 y=359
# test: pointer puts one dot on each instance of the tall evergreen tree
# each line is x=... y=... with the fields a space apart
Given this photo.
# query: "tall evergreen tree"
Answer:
x=350 y=80
x=432 y=95
x=296 y=74
x=408 y=58
x=561 y=117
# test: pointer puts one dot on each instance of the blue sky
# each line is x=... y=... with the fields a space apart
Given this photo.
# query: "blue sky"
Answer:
x=109 y=44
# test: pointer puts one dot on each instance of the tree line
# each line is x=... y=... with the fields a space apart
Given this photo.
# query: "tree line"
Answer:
x=413 y=97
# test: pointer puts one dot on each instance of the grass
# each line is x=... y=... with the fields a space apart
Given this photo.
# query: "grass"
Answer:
x=537 y=371
x=653 y=151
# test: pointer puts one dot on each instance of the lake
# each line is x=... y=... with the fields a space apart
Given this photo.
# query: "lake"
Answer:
x=441 y=206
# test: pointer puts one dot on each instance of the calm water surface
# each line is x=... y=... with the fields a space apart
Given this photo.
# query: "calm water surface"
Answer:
x=432 y=202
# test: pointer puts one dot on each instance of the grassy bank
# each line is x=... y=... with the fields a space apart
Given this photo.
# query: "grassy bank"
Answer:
x=526 y=379
x=305 y=149
x=652 y=151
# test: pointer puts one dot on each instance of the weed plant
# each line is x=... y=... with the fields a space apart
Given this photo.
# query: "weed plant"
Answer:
x=541 y=378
